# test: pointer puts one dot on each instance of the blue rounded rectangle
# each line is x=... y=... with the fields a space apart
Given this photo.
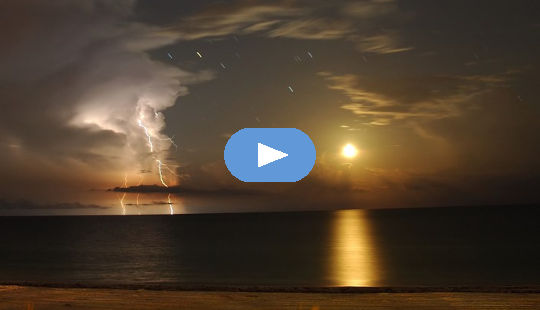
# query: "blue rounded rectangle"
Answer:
x=269 y=154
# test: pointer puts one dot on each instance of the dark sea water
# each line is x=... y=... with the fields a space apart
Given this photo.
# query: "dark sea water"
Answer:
x=491 y=246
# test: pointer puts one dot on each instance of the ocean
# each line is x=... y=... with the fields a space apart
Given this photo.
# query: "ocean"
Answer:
x=465 y=246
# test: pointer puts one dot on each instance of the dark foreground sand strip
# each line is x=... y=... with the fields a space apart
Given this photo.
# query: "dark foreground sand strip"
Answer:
x=48 y=298
x=290 y=289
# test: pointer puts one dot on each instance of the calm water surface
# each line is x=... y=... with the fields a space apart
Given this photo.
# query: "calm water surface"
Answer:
x=408 y=247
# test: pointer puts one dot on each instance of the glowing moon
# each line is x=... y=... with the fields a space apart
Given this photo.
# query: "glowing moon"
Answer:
x=349 y=151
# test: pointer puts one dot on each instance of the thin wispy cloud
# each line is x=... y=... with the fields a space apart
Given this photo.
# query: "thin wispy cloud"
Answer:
x=297 y=20
x=437 y=97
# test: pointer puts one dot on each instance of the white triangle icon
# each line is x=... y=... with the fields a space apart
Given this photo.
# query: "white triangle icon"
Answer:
x=267 y=154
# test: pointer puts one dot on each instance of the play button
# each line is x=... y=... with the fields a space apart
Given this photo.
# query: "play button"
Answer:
x=269 y=155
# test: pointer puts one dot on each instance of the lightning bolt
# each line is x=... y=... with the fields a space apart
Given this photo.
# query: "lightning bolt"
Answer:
x=124 y=185
x=164 y=165
x=138 y=194
x=170 y=170
x=171 y=140
x=122 y=204
x=173 y=143
x=171 y=210
x=160 y=164
x=147 y=132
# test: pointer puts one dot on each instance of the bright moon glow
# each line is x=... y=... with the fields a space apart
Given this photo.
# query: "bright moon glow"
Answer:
x=349 y=151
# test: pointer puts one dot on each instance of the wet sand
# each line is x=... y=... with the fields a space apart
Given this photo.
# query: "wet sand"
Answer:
x=48 y=298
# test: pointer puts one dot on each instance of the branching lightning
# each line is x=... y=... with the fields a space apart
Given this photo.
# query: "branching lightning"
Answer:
x=147 y=133
x=156 y=151
x=160 y=164
x=165 y=166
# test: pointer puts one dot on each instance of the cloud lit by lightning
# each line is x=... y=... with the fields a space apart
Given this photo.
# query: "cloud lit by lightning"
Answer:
x=117 y=100
x=105 y=94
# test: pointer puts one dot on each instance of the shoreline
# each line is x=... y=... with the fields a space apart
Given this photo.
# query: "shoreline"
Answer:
x=285 y=289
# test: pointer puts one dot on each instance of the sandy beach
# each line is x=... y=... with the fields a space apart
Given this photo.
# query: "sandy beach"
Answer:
x=46 y=298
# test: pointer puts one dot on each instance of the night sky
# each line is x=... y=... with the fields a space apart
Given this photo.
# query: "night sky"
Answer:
x=441 y=98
